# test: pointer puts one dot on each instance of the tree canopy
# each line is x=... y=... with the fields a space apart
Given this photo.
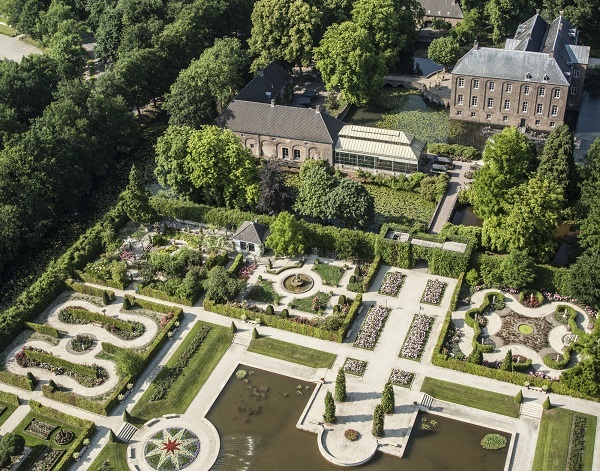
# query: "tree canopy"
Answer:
x=286 y=235
x=556 y=162
x=445 y=51
x=136 y=199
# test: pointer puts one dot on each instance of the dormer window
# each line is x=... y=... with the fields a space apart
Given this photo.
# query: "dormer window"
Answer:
x=528 y=76
x=546 y=77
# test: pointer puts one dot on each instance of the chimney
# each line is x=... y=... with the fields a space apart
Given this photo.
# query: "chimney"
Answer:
x=261 y=73
x=560 y=13
x=537 y=11
x=476 y=45
x=318 y=109
x=272 y=103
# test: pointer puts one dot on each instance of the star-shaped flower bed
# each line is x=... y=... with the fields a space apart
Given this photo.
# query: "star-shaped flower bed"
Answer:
x=171 y=449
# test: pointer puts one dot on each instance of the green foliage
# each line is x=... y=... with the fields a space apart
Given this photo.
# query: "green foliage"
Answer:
x=89 y=290
x=286 y=235
x=235 y=267
x=518 y=269
x=275 y=196
x=584 y=282
x=428 y=125
x=232 y=328
x=329 y=415
x=348 y=60
x=283 y=30
x=220 y=286
x=388 y=401
x=519 y=397
x=126 y=303
x=556 y=162
x=378 y=421
x=340 y=386
x=505 y=16
x=136 y=199
x=476 y=356
x=445 y=51
x=171 y=153
x=493 y=441
x=546 y=404
x=400 y=206
x=473 y=277
x=105 y=298
x=454 y=150
x=507 y=363
x=269 y=311
x=43 y=329
x=470 y=28
x=9 y=398
x=584 y=377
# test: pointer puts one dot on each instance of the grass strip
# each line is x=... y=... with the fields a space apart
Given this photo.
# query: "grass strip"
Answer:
x=7 y=412
x=292 y=352
x=471 y=397
x=552 y=449
x=330 y=274
x=195 y=374
x=115 y=454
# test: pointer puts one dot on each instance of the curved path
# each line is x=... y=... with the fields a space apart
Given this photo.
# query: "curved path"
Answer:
x=88 y=357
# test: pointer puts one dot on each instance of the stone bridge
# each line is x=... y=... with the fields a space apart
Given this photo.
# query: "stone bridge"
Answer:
x=435 y=87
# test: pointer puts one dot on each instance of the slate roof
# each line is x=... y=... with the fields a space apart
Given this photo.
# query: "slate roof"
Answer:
x=251 y=232
x=442 y=8
x=304 y=124
x=508 y=64
x=530 y=35
x=267 y=84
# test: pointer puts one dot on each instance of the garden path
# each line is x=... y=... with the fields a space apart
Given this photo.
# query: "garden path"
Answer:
x=446 y=206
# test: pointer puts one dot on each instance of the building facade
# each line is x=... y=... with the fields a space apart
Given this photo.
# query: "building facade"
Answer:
x=531 y=83
x=446 y=10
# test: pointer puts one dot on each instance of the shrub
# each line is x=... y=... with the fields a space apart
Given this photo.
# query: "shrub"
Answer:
x=388 y=402
x=234 y=269
x=329 y=415
x=232 y=328
x=342 y=300
x=351 y=434
x=269 y=311
x=493 y=441
x=546 y=404
x=9 y=398
x=254 y=333
x=127 y=303
x=378 y=421
x=519 y=397
x=285 y=313
x=89 y=290
x=105 y=298
x=340 y=386
x=43 y=329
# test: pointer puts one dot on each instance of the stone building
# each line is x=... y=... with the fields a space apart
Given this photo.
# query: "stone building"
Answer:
x=532 y=82
x=286 y=133
x=271 y=83
x=446 y=10
x=250 y=238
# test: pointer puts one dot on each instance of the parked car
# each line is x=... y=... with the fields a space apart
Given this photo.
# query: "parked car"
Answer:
x=446 y=161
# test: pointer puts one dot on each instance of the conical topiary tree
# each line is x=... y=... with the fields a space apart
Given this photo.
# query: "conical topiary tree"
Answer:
x=329 y=415
x=126 y=303
x=378 y=419
x=136 y=199
x=126 y=416
x=105 y=298
x=111 y=436
x=546 y=404
x=476 y=356
x=388 y=401
x=342 y=299
x=269 y=310
x=254 y=333
x=507 y=362
x=285 y=313
x=233 y=328
x=519 y=397
x=340 y=386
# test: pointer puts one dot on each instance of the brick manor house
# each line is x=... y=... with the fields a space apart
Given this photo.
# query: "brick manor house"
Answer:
x=532 y=82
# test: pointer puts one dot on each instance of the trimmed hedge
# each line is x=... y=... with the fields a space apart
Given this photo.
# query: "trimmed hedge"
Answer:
x=372 y=273
x=83 y=370
x=153 y=306
x=18 y=381
x=558 y=364
x=88 y=428
x=160 y=294
x=89 y=290
x=215 y=260
x=50 y=284
x=471 y=322
x=96 y=317
x=456 y=292
x=43 y=329
x=287 y=323
x=236 y=266
x=89 y=278
x=454 y=150
x=9 y=398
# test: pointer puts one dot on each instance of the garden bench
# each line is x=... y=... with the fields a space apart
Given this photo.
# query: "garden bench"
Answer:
x=132 y=453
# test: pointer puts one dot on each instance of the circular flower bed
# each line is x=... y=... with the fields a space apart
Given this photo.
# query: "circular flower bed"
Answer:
x=351 y=434
x=63 y=436
x=493 y=441
x=525 y=329
x=171 y=449
x=81 y=342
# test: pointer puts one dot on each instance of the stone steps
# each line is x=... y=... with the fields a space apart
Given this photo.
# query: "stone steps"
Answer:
x=243 y=338
x=531 y=409
x=426 y=401
x=126 y=432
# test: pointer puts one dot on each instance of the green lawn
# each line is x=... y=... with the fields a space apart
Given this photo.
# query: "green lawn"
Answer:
x=263 y=292
x=471 y=397
x=399 y=206
x=306 y=304
x=292 y=352
x=552 y=448
x=8 y=31
x=116 y=453
x=193 y=378
x=6 y=414
x=330 y=274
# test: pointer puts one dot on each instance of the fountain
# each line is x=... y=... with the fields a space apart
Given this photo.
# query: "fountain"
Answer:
x=298 y=283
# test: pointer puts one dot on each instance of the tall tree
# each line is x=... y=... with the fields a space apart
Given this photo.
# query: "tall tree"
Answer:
x=171 y=154
x=505 y=16
x=274 y=195
x=351 y=203
x=556 y=162
x=584 y=279
x=340 y=386
x=388 y=400
x=445 y=51
x=221 y=168
x=316 y=184
x=590 y=188
x=518 y=269
x=469 y=28
x=136 y=199
x=329 y=415
x=283 y=30
x=584 y=15
x=220 y=286
x=286 y=235
x=378 y=421
x=349 y=60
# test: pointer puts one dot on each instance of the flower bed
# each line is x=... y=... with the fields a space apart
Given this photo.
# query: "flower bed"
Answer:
x=47 y=459
x=355 y=367
x=531 y=298
x=167 y=376
x=171 y=449
x=125 y=330
x=81 y=342
x=39 y=428
x=351 y=435
x=63 y=437
x=263 y=292
x=371 y=327
x=392 y=283
x=434 y=292
x=402 y=378
x=330 y=274
x=314 y=304
x=416 y=338
x=576 y=450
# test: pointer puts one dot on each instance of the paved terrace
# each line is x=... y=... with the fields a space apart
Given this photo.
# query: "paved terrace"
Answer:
x=365 y=391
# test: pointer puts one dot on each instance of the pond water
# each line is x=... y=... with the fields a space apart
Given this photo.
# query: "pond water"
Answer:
x=465 y=216
x=257 y=424
x=424 y=66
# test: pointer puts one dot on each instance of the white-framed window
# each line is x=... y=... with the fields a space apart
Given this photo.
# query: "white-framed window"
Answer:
x=473 y=114
x=574 y=89
x=243 y=246
x=473 y=101
x=296 y=154
x=508 y=87
x=461 y=82
x=554 y=110
x=505 y=118
x=507 y=105
x=557 y=93
x=491 y=86
x=251 y=146
x=537 y=122
x=576 y=73
x=552 y=124
x=524 y=107
x=285 y=153
x=476 y=83
x=542 y=91
x=488 y=116
x=460 y=100
x=526 y=89
x=458 y=112
x=539 y=108
x=490 y=102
